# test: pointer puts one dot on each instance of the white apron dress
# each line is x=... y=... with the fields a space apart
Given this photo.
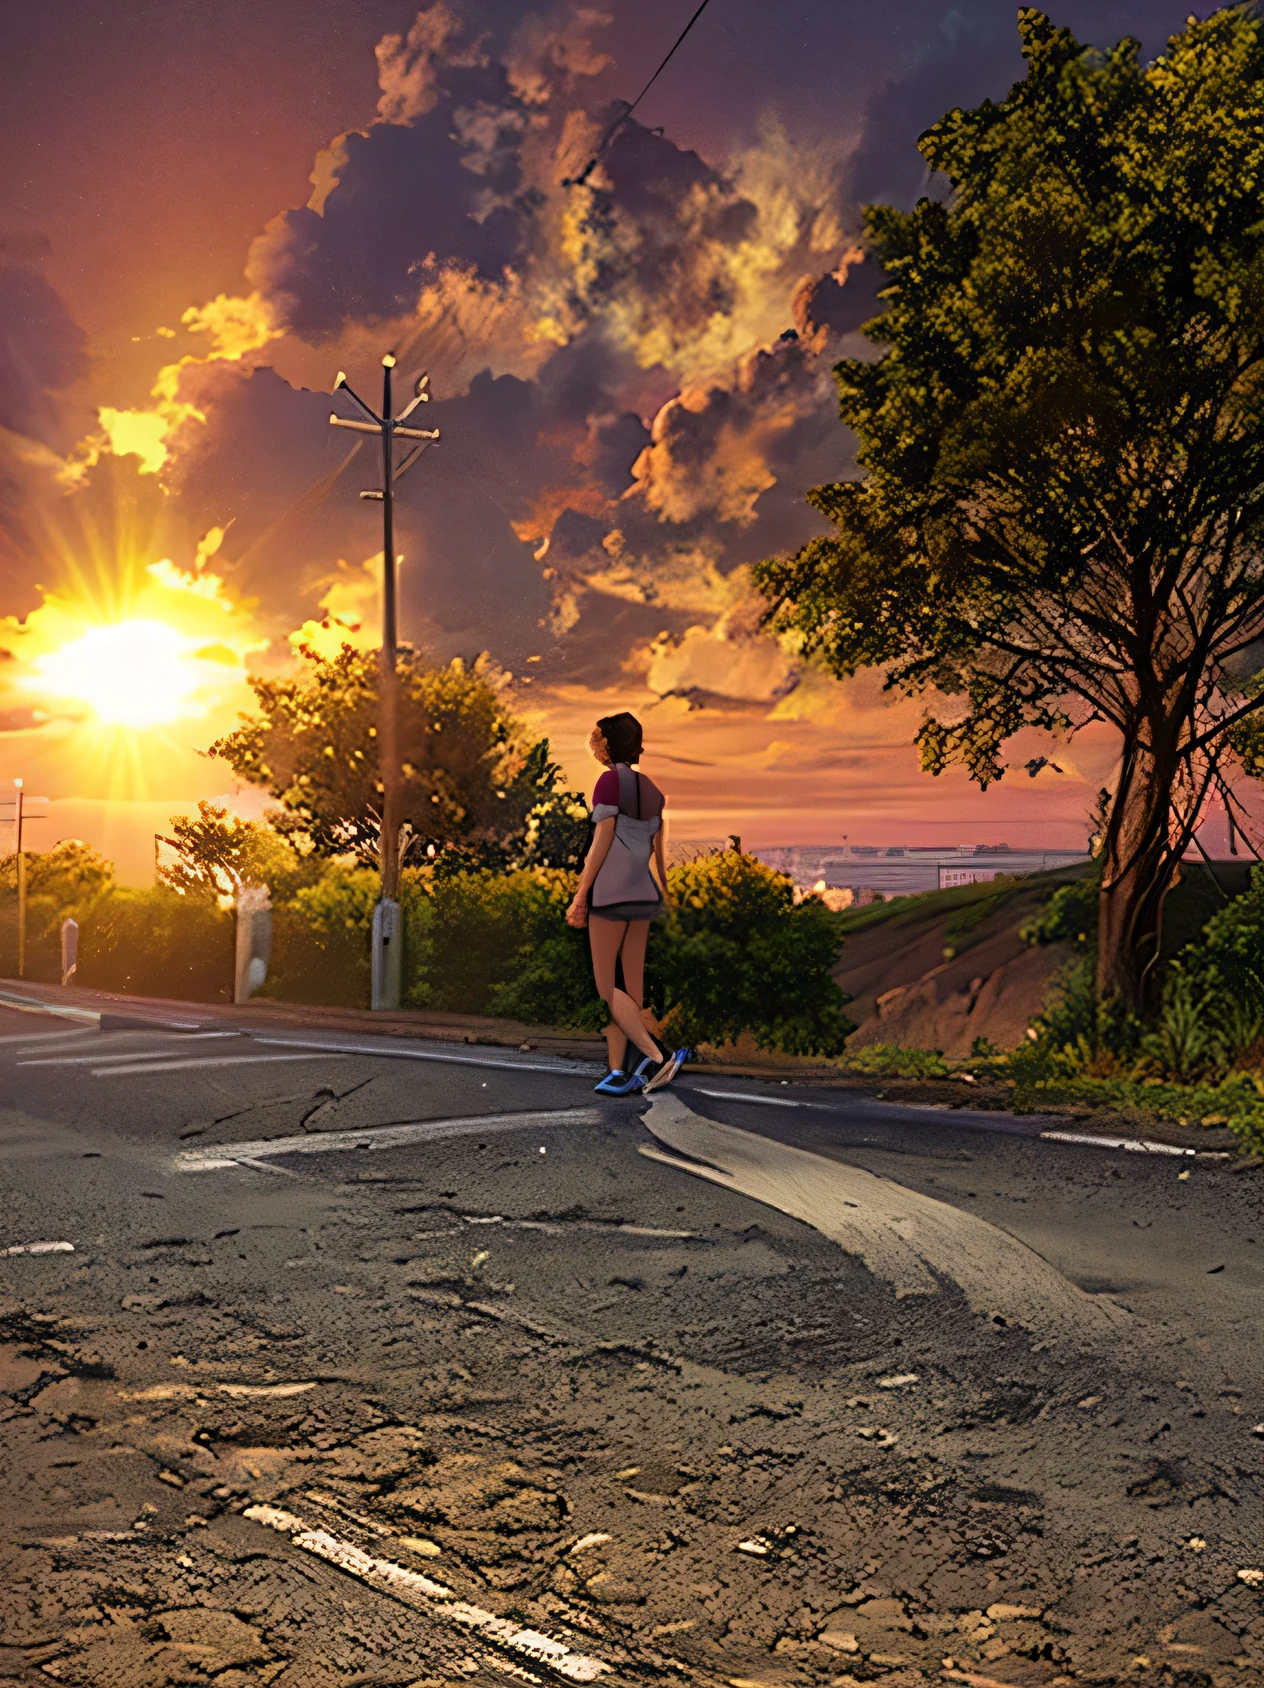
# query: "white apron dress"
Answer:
x=624 y=888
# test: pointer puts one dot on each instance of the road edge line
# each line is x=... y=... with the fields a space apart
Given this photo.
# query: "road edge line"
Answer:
x=1137 y=1145
x=435 y=1599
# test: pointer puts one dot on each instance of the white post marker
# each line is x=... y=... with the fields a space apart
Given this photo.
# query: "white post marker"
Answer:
x=69 y=949
x=254 y=941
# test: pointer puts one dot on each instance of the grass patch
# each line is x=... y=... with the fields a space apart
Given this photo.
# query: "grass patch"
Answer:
x=971 y=904
x=1236 y=1102
x=889 y=1060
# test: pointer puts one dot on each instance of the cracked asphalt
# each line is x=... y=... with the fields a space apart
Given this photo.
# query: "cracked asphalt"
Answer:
x=373 y=1366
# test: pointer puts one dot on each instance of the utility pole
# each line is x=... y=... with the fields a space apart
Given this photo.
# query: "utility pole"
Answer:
x=387 y=928
x=17 y=817
x=21 y=820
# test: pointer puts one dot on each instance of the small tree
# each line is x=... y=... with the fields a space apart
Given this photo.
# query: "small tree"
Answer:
x=472 y=779
x=1062 y=507
x=72 y=880
x=219 y=853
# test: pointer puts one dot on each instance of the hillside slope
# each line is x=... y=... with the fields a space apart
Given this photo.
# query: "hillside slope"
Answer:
x=940 y=970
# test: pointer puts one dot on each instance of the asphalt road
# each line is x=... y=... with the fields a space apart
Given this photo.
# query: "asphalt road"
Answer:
x=370 y=1362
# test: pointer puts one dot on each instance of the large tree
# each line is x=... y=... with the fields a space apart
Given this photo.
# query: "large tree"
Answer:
x=476 y=789
x=1061 y=507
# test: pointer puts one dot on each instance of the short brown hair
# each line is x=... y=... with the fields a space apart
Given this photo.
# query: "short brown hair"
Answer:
x=622 y=734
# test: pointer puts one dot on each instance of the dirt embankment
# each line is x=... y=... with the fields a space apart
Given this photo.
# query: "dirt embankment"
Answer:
x=950 y=969
x=940 y=970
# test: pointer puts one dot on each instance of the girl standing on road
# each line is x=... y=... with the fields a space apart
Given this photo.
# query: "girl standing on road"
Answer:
x=616 y=899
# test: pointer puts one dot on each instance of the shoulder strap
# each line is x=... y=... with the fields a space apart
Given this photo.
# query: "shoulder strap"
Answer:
x=629 y=790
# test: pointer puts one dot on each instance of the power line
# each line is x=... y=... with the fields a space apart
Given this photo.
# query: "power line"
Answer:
x=612 y=131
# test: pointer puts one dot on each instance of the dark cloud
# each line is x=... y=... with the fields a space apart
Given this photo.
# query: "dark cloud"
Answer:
x=42 y=354
x=826 y=306
x=401 y=195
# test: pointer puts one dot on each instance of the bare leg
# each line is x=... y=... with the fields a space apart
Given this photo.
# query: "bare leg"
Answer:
x=605 y=938
x=632 y=955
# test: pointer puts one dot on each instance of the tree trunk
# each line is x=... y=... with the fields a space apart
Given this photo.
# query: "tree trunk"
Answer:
x=1138 y=871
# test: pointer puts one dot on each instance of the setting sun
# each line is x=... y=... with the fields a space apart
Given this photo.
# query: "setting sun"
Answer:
x=132 y=674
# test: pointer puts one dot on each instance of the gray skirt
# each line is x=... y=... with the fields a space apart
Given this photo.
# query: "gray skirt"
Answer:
x=628 y=911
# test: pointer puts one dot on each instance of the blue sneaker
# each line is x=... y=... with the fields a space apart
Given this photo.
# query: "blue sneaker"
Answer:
x=616 y=1083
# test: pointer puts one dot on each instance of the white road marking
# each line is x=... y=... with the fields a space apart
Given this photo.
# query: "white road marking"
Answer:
x=34 y=1005
x=1139 y=1145
x=281 y=1390
x=48 y=1037
x=405 y=1053
x=433 y=1598
x=374 y=1137
x=39 y=1248
x=744 y=1096
x=207 y=1061
x=901 y=1235
x=178 y=1040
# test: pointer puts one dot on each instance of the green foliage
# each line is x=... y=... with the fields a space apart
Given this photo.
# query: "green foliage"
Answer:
x=1236 y=1102
x=320 y=937
x=557 y=830
x=1077 y=1033
x=342 y=899
x=1061 y=513
x=736 y=954
x=471 y=778
x=499 y=944
x=963 y=921
x=72 y=875
x=158 y=943
x=1230 y=953
x=218 y=854
x=733 y=955
x=889 y=1060
x=1069 y=917
x=70 y=880
x=1186 y=1063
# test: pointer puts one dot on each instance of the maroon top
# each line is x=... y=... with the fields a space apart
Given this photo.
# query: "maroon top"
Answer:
x=607 y=791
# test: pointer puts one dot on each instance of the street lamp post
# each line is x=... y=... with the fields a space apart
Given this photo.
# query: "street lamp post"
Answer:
x=386 y=972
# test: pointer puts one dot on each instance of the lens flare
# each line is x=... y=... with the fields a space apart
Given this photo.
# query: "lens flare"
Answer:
x=133 y=674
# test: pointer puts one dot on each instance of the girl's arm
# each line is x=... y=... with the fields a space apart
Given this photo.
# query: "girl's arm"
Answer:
x=660 y=858
x=598 y=850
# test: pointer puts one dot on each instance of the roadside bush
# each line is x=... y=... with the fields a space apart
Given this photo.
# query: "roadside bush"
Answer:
x=1187 y=1065
x=498 y=943
x=158 y=942
x=1228 y=959
x=734 y=954
x=1236 y=1102
x=320 y=938
x=1070 y=915
x=889 y=1060
x=737 y=954
x=70 y=880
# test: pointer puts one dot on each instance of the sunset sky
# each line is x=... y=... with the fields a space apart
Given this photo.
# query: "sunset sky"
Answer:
x=210 y=207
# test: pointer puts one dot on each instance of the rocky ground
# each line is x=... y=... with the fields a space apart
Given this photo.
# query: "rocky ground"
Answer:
x=516 y=1400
